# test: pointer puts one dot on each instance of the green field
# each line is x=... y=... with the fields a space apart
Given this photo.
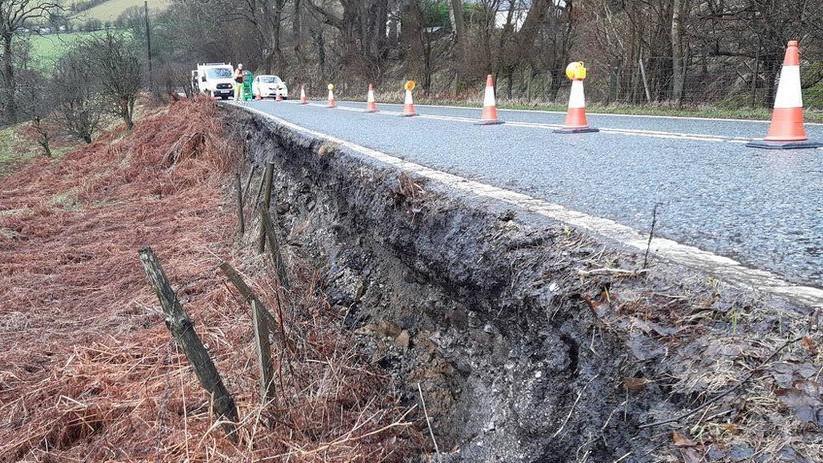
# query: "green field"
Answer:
x=47 y=49
x=112 y=9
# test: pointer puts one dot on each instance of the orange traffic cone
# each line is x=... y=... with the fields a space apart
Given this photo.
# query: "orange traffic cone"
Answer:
x=786 y=130
x=278 y=97
x=371 y=106
x=303 y=99
x=576 y=121
x=332 y=101
x=408 y=104
x=489 y=114
x=258 y=97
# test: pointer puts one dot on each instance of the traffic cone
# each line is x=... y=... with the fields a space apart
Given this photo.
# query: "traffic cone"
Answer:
x=278 y=97
x=489 y=114
x=576 y=121
x=786 y=130
x=332 y=102
x=303 y=99
x=371 y=106
x=408 y=104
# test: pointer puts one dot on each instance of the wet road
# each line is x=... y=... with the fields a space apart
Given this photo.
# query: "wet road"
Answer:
x=762 y=208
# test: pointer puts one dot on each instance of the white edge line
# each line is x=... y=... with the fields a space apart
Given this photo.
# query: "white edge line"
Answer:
x=636 y=132
x=537 y=125
x=654 y=116
x=724 y=268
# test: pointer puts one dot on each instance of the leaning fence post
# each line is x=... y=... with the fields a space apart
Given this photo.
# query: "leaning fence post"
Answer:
x=263 y=349
x=248 y=184
x=249 y=296
x=181 y=327
x=267 y=179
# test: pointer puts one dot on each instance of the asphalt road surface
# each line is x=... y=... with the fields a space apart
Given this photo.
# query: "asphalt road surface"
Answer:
x=763 y=208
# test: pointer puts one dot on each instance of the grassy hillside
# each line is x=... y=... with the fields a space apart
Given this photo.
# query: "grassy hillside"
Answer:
x=112 y=9
x=47 y=49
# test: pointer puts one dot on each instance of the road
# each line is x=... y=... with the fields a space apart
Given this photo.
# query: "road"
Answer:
x=761 y=208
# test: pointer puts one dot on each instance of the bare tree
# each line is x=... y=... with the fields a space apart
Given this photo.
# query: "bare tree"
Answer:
x=78 y=105
x=16 y=15
x=115 y=63
x=362 y=29
x=38 y=110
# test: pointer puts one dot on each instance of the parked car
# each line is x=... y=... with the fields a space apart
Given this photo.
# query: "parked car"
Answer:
x=268 y=86
x=214 y=79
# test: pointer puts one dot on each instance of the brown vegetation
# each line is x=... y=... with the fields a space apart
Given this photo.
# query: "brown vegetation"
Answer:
x=88 y=370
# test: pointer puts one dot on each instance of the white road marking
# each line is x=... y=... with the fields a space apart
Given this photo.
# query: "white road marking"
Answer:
x=628 y=132
x=543 y=111
x=723 y=268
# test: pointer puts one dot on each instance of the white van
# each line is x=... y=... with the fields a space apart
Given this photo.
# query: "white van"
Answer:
x=213 y=79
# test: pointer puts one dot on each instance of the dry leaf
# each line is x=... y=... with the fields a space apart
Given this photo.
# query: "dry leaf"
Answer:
x=808 y=343
x=681 y=440
x=730 y=428
x=635 y=384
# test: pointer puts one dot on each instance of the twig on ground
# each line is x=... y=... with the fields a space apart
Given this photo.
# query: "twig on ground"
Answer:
x=428 y=421
x=571 y=410
x=651 y=236
x=612 y=271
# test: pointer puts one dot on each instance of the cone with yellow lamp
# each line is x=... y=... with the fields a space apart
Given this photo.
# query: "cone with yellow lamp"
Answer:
x=332 y=102
x=371 y=106
x=786 y=130
x=408 y=104
x=303 y=99
x=489 y=114
x=576 y=121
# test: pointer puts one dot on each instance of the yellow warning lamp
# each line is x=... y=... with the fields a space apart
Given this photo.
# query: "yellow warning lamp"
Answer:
x=410 y=85
x=331 y=87
x=576 y=71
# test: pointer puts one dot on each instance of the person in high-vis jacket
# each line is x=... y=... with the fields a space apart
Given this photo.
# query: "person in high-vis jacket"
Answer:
x=238 y=82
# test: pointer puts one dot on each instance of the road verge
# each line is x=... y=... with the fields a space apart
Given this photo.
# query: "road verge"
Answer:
x=534 y=340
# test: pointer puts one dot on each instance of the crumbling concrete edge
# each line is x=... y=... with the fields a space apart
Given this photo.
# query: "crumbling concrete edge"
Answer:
x=729 y=271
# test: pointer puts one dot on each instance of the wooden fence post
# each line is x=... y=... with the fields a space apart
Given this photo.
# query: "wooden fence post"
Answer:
x=248 y=184
x=263 y=349
x=267 y=179
x=181 y=327
x=249 y=296
x=259 y=192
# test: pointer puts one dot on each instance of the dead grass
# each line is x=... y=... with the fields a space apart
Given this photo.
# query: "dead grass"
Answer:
x=88 y=371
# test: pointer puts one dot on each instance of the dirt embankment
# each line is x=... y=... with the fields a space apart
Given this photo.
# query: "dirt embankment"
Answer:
x=525 y=343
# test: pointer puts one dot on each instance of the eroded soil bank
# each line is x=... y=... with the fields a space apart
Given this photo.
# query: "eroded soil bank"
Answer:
x=524 y=346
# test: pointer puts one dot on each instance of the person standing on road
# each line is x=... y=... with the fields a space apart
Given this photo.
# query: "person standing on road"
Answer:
x=238 y=82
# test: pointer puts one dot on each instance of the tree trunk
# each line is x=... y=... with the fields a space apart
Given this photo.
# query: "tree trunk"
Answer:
x=278 y=51
x=9 y=84
x=459 y=41
x=44 y=138
x=678 y=74
x=297 y=32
